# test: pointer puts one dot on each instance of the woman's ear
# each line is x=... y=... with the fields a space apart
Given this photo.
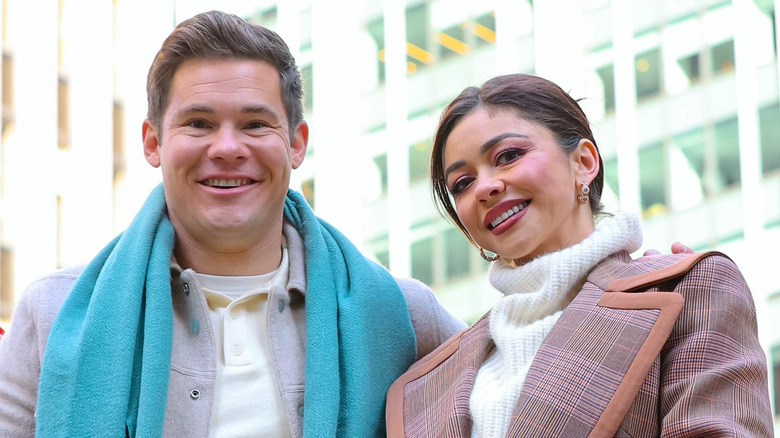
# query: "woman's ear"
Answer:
x=585 y=161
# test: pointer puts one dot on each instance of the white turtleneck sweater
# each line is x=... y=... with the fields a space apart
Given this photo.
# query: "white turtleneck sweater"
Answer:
x=535 y=294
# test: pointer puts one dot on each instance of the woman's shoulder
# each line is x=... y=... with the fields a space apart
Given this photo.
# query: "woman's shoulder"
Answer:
x=687 y=265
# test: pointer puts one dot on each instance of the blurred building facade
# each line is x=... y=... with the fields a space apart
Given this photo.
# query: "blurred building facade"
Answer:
x=682 y=96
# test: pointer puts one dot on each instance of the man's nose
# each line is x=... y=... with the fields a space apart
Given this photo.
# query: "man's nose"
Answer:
x=227 y=145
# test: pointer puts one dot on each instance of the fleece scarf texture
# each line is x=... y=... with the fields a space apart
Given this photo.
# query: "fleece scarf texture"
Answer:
x=106 y=364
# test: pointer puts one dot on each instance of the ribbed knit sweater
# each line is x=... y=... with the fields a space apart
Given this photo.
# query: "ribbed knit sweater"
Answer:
x=535 y=294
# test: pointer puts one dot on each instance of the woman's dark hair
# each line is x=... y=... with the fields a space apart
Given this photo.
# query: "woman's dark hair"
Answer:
x=529 y=97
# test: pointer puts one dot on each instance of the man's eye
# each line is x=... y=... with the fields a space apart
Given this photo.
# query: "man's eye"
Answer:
x=255 y=125
x=509 y=155
x=198 y=124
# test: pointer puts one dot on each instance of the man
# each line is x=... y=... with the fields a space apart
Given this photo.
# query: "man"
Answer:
x=226 y=308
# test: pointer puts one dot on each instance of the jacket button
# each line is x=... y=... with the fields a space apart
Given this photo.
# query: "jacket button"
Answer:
x=280 y=306
x=194 y=394
x=300 y=410
x=186 y=289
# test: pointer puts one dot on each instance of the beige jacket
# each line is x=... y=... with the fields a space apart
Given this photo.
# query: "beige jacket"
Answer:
x=192 y=376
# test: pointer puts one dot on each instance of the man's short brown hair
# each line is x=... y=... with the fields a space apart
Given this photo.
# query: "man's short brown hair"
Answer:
x=217 y=35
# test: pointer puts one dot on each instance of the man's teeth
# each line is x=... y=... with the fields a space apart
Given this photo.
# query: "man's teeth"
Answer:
x=226 y=183
x=505 y=215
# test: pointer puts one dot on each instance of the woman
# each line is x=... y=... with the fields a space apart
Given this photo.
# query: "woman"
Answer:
x=572 y=349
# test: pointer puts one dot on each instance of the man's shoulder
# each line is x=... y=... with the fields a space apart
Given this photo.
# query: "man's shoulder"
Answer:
x=49 y=291
x=431 y=322
x=64 y=277
x=415 y=289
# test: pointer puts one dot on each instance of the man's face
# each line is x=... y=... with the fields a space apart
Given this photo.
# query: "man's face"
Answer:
x=226 y=153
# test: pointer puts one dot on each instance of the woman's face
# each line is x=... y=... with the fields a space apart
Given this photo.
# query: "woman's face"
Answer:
x=515 y=189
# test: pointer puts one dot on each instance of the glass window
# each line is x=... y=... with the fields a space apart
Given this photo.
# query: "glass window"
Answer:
x=63 y=112
x=422 y=265
x=690 y=66
x=6 y=282
x=452 y=42
x=686 y=169
x=417 y=50
x=648 y=73
x=773 y=19
x=377 y=31
x=266 y=18
x=307 y=187
x=381 y=164
x=118 y=123
x=8 y=87
x=723 y=57
x=727 y=153
x=418 y=161
x=652 y=178
x=306 y=29
x=308 y=87
x=607 y=75
x=769 y=125
x=775 y=357
x=457 y=253
x=485 y=29
x=383 y=257
x=611 y=175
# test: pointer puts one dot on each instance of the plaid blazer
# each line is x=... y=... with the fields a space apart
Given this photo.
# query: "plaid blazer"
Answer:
x=679 y=359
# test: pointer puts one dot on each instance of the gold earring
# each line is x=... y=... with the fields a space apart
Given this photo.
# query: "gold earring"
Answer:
x=583 y=197
x=484 y=256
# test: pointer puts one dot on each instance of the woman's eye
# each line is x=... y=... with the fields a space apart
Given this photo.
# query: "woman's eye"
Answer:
x=509 y=155
x=460 y=185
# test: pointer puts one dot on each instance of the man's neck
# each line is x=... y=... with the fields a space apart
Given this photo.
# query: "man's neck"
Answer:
x=256 y=259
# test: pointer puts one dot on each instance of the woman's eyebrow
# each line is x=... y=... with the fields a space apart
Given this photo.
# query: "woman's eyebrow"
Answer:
x=495 y=140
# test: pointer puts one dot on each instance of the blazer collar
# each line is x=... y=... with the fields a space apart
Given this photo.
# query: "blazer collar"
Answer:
x=591 y=365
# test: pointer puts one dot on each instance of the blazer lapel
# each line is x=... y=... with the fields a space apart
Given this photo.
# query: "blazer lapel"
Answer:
x=591 y=365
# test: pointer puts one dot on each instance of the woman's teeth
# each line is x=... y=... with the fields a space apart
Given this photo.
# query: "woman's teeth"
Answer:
x=507 y=214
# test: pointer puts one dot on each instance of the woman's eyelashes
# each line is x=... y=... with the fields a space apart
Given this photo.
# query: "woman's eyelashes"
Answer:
x=509 y=155
x=460 y=185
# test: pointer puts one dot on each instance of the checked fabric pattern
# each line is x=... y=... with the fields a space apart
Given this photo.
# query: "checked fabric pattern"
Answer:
x=679 y=357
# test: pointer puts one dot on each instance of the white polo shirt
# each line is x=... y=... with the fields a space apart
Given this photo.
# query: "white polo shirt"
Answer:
x=247 y=399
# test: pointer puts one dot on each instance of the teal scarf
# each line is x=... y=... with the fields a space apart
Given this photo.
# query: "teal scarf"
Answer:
x=102 y=376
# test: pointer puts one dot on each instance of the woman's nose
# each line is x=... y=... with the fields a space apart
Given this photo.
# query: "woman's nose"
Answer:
x=488 y=186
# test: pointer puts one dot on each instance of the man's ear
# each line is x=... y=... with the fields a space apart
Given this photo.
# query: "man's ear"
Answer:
x=299 y=143
x=585 y=161
x=151 y=143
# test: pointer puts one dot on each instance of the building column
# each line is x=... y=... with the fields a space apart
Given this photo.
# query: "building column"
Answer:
x=88 y=214
x=397 y=148
x=559 y=58
x=335 y=132
x=33 y=181
x=139 y=36
x=626 y=119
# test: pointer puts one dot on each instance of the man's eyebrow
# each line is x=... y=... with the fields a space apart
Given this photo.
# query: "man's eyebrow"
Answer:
x=200 y=108
x=259 y=108
x=197 y=108
x=484 y=148
x=495 y=140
